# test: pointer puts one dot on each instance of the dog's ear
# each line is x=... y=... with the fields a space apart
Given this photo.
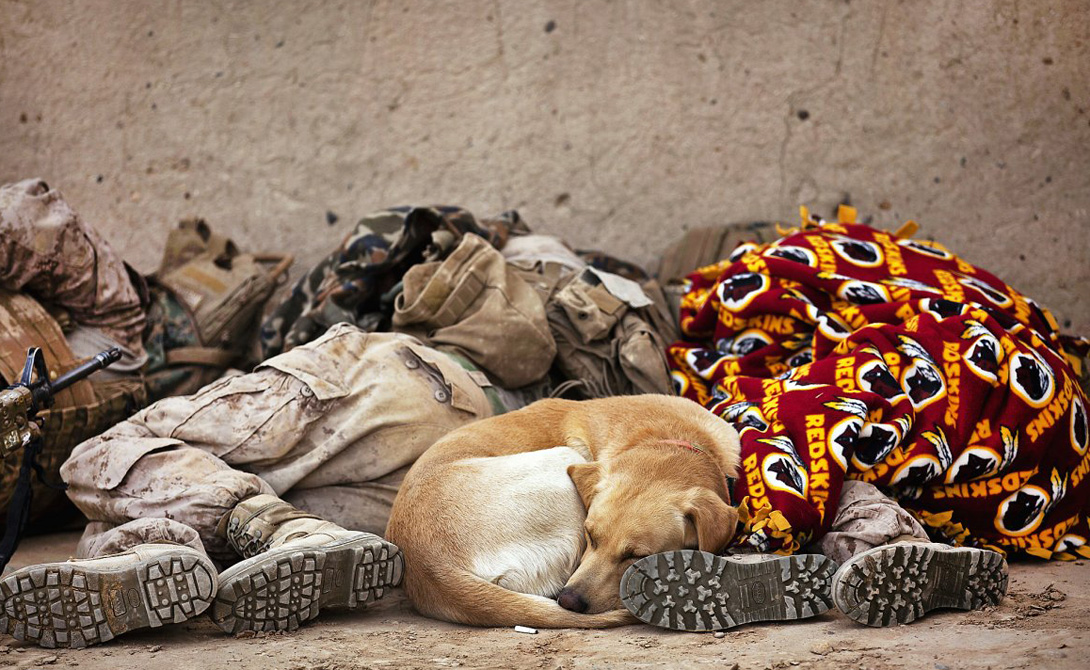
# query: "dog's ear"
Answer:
x=715 y=521
x=585 y=476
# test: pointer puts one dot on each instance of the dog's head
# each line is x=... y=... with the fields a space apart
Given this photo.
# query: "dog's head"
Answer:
x=647 y=500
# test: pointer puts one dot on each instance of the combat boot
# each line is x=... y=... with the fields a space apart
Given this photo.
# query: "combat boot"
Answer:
x=294 y=565
x=698 y=591
x=88 y=601
x=900 y=582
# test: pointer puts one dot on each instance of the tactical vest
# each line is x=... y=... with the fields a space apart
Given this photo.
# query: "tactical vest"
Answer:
x=206 y=298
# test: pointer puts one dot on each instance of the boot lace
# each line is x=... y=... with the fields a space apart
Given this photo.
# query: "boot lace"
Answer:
x=246 y=542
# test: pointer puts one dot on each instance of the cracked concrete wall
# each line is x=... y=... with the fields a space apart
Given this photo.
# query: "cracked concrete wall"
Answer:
x=614 y=124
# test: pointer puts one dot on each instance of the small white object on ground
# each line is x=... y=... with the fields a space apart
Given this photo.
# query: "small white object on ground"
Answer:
x=525 y=629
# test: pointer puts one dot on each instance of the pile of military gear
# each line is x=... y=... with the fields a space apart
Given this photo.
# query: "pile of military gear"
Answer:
x=64 y=290
x=455 y=282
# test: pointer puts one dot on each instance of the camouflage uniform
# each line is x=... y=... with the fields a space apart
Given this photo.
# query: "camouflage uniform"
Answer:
x=65 y=290
x=49 y=253
x=357 y=282
x=331 y=426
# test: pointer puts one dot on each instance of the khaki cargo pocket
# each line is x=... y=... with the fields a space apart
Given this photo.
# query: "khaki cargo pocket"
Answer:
x=641 y=357
x=591 y=310
x=451 y=384
x=311 y=364
x=109 y=462
x=266 y=411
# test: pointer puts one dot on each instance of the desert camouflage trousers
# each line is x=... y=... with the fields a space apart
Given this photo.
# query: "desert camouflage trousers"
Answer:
x=866 y=518
x=331 y=426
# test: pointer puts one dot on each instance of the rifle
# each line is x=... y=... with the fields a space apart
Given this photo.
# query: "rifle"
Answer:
x=20 y=428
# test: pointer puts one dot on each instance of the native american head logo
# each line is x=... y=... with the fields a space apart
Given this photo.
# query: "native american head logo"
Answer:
x=916 y=471
x=784 y=471
x=1070 y=544
x=983 y=357
x=993 y=294
x=782 y=474
x=1041 y=313
x=926 y=250
x=1079 y=437
x=828 y=324
x=842 y=439
x=858 y=252
x=863 y=292
x=940 y=308
x=723 y=345
x=749 y=341
x=923 y=382
x=875 y=377
x=1031 y=379
x=720 y=394
x=973 y=463
x=921 y=379
x=796 y=254
x=1022 y=511
x=703 y=361
x=681 y=382
x=741 y=250
x=739 y=291
x=875 y=442
x=744 y=415
x=801 y=357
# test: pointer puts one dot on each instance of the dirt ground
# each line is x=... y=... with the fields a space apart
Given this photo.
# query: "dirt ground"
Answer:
x=1042 y=624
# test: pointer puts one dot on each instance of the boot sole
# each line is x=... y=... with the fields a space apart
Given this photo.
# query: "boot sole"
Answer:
x=72 y=605
x=901 y=583
x=284 y=587
x=698 y=591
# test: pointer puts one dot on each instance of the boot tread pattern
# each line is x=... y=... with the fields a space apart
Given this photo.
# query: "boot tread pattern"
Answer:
x=698 y=591
x=902 y=583
x=287 y=587
x=74 y=605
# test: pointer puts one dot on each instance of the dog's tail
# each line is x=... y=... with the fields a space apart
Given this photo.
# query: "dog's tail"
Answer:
x=482 y=603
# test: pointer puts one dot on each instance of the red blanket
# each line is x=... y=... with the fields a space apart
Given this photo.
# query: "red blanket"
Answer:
x=842 y=351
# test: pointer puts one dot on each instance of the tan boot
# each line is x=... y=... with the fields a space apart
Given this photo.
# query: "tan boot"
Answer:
x=88 y=601
x=900 y=582
x=294 y=565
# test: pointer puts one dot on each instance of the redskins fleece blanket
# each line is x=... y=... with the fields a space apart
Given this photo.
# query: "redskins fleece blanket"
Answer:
x=842 y=351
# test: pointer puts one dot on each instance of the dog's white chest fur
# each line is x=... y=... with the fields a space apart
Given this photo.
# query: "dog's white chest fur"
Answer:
x=530 y=536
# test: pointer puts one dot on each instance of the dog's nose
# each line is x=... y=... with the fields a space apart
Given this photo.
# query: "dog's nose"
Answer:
x=570 y=600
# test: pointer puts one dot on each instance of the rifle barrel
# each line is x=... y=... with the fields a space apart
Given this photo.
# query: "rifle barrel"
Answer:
x=100 y=361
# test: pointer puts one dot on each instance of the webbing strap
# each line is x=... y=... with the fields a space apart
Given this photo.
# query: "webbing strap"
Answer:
x=19 y=506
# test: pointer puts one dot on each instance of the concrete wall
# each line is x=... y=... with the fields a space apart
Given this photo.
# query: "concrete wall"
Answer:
x=614 y=124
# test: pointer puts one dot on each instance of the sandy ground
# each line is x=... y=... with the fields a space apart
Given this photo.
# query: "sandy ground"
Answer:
x=1042 y=624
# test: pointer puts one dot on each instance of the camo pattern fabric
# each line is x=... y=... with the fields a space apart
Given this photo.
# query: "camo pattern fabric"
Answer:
x=171 y=326
x=358 y=282
x=50 y=253
x=842 y=351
